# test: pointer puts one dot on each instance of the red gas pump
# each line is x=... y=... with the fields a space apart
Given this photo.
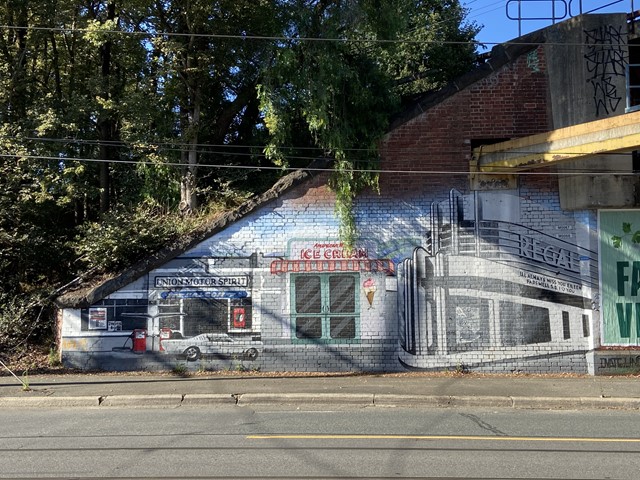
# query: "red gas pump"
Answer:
x=165 y=334
x=139 y=336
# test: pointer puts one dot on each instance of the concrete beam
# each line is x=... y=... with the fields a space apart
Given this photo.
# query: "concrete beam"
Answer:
x=609 y=135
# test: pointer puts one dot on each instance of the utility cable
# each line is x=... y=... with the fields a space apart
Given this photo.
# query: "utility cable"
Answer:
x=503 y=171
x=299 y=39
x=221 y=149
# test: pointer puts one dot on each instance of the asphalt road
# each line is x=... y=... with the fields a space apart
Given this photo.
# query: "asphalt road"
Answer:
x=285 y=443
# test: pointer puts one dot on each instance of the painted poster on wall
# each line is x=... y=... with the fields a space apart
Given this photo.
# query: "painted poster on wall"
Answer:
x=620 y=276
x=97 y=318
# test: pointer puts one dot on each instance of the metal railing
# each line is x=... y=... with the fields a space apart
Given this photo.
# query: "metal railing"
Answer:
x=518 y=246
x=559 y=10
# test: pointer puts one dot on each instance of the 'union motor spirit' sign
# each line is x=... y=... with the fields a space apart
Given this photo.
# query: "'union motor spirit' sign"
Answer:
x=202 y=282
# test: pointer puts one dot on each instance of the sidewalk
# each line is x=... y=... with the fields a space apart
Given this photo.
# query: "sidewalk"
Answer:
x=339 y=390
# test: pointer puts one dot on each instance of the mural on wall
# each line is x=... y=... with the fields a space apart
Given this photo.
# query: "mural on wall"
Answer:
x=485 y=290
x=620 y=276
x=204 y=309
x=606 y=60
x=477 y=286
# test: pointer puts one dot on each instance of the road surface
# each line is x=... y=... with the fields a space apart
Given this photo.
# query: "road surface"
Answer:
x=285 y=443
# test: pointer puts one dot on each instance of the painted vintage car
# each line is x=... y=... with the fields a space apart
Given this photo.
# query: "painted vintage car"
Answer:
x=218 y=345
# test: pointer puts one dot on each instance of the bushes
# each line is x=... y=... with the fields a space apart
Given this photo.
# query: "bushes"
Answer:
x=25 y=317
x=121 y=238
x=127 y=235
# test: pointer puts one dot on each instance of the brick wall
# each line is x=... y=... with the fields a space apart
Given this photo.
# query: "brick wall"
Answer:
x=511 y=102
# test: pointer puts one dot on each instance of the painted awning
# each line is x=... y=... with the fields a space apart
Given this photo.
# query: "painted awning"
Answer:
x=302 y=266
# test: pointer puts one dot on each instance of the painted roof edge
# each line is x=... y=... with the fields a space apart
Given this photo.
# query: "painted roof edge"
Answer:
x=500 y=56
x=84 y=297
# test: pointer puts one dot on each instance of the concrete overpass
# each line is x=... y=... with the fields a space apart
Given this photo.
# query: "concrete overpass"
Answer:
x=495 y=166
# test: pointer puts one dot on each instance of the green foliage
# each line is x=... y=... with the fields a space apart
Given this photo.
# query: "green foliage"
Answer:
x=180 y=370
x=15 y=318
x=344 y=92
x=54 y=358
x=126 y=235
x=26 y=387
x=24 y=317
x=439 y=46
x=33 y=225
x=627 y=231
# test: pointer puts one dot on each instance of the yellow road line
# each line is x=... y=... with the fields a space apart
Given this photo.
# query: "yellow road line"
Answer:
x=444 y=437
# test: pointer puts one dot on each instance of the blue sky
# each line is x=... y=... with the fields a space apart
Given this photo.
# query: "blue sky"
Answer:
x=499 y=28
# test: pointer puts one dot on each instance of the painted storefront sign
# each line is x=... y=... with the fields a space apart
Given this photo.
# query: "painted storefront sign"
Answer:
x=97 y=318
x=195 y=282
x=329 y=251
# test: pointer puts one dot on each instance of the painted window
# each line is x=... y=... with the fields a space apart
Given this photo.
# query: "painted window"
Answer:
x=566 y=326
x=115 y=315
x=325 y=308
x=585 y=325
x=468 y=323
x=193 y=316
x=522 y=324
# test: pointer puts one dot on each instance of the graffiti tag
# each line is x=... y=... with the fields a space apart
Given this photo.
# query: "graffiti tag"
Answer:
x=620 y=362
x=605 y=61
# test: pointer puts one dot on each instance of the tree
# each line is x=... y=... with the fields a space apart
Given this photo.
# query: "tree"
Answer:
x=51 y=95
x=206 y=76
x=339 y=76
x=112 y=108
x=436 y=45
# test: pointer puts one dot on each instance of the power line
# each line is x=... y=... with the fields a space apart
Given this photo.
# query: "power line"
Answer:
x=151 y=145
x=477 y=12
x=224 y=36
x=205 y=148
x=299 y=39
x=504 y=171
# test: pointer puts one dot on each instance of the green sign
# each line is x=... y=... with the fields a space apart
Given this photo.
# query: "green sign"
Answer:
x=620 y=276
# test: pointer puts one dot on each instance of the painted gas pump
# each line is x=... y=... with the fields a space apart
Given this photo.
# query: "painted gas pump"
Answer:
x=165 y=334
x=139 y=340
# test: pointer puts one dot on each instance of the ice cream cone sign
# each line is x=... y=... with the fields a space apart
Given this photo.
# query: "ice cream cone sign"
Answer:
x=369 y=287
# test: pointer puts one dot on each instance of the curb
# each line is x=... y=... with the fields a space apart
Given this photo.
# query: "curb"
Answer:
x=48 y=402
x=163 y=400
x=326 y=399
x=335 y=399
x=206 y=399
x=568 y=403
x=391 y=400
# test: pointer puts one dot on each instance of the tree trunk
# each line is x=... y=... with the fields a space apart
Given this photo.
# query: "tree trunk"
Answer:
x=18 y=92
x=106 y=124
x=188 y=197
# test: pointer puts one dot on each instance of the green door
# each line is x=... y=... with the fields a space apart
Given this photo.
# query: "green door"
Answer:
x=325 y=308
